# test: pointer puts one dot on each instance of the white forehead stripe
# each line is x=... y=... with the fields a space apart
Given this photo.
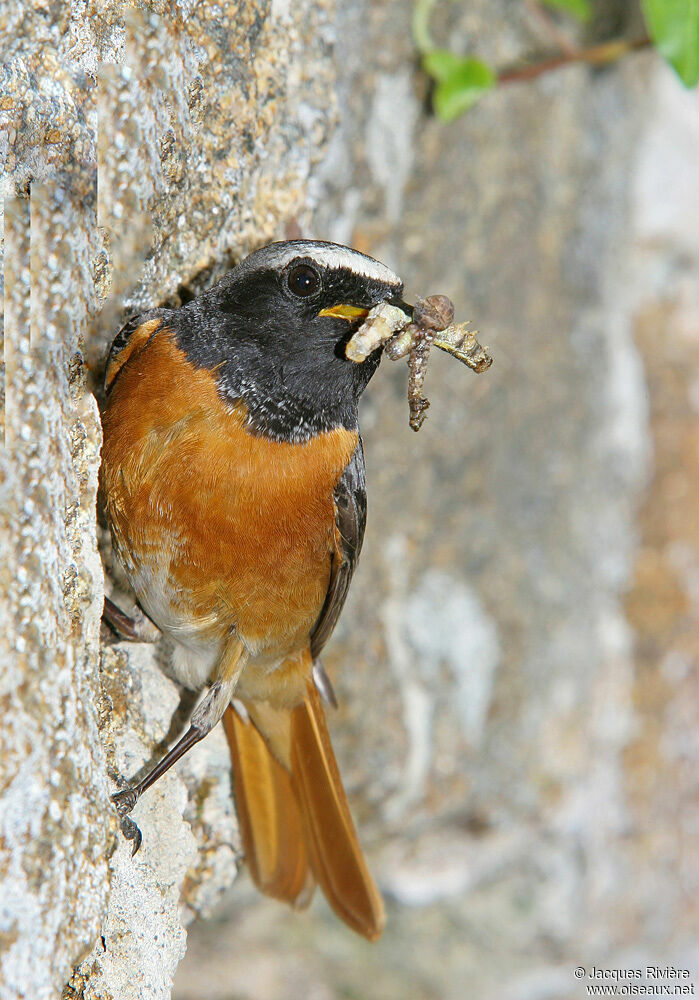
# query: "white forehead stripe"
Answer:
x=330 y=255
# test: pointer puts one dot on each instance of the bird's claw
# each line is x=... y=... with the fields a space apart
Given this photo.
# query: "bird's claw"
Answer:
x=131 y=832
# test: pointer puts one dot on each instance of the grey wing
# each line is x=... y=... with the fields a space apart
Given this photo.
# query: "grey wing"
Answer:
x=350 y=520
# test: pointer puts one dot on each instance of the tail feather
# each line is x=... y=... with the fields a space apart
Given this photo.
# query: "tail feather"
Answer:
x=297 y=827
x=336 y=855
x=270 y=823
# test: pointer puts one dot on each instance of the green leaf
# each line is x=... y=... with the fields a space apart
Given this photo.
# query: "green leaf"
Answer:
x=674 y=27
x=578 y=8
x=440 y=63
x=461 y=82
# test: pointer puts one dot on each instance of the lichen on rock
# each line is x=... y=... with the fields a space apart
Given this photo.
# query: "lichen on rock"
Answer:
x=139 y=145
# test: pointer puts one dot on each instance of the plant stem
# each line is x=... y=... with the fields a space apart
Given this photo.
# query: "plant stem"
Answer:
x=421 y=24
x=596 y=55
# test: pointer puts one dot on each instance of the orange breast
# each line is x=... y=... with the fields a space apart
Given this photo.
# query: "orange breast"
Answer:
x=217 y=529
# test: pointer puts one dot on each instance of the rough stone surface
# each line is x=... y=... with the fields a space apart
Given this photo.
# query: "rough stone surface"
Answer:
x=56 y=824
x=139 y=144
x=189 y=834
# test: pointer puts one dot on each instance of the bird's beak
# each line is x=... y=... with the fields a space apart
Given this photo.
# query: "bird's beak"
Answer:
x=343 y=311
x=348 y=312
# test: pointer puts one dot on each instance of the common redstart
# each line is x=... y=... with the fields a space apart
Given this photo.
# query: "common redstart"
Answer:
x=233 y=483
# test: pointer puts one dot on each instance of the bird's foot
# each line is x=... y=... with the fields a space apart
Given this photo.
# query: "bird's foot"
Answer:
x=135 y=628
x=124 y=802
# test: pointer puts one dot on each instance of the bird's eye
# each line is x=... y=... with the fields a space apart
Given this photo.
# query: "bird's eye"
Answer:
x=303 y=281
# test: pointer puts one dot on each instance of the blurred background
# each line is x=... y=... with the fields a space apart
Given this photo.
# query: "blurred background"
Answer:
x=517 y=664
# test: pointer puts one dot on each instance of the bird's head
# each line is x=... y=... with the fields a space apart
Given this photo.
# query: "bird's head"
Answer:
x=274 y=331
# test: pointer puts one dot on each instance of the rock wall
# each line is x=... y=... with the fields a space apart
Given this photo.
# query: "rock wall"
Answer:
x=141 y=145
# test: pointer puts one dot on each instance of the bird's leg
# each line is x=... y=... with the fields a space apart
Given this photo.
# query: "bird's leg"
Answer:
x=139 y=628
x=202 y=722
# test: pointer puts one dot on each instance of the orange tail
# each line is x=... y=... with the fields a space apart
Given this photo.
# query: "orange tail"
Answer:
x=296 y=827
x=270 y=823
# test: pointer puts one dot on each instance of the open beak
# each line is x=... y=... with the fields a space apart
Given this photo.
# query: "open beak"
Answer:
x=347 y=312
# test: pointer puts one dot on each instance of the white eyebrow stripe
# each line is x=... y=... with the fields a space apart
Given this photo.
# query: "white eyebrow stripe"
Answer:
x=330 y=255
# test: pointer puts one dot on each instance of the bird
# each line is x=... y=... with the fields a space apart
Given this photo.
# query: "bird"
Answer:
x=233 y=483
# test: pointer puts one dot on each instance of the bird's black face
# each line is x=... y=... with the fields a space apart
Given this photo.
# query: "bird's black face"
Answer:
x=283 y=317
x=308 y=304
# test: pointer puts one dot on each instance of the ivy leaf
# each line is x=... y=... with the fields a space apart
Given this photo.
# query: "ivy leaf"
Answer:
x=674 y=27
x=461 y=81
x=578 y=8
x=440 y=63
